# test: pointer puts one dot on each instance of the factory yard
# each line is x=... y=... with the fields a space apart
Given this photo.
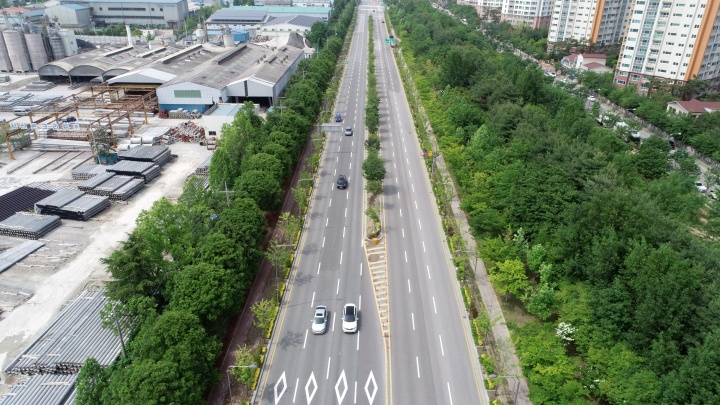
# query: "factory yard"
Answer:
x=34 y=290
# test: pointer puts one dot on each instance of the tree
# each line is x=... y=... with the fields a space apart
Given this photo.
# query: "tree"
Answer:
x=264 y=162
x=102 y=142
x=205 y=290
x=265 y=312
x=651 y=162
x=300 y=196
x=243 y=222
x=374 y=187
x=243 y=360
x=373 y=167
x=509 y=277
x=91 y=383
x=261 y=187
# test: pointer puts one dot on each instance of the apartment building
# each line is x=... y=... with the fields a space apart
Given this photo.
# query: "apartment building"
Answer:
x=484 y=8
x=532 y=13
x=601 y=22
x=671 y=40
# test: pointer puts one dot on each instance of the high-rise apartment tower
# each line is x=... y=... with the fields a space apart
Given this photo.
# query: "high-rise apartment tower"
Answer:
x=601 y=22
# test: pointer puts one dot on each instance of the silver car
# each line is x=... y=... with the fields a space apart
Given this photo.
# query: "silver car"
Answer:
x=350 y=318
x=320 y=320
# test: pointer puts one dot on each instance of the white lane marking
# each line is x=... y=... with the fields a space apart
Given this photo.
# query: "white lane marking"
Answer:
x=305 y=341
x=406 y=256
x=350 y=154
x=413 y=187
x=347 y=196
x=341 y=253
x=416 y=204
x=350 y=165
x=400 y=212
x=337 y=290
x=428 y=270
x=412 y=315
x=409 y=289
x=330 y=204
x=344 y=229
x=403 y=232
x=449 y=394
x=332 y=187
x=417 y=365
x=394 y=165
x=371 y=397
x=337 y=158
x=334 y=172
x=323 y=245
x=358 y=341
x=423 y=242
x=284 y=387
x=391 y=143
x=326 y=221
x=407 y=160
x=404 y=148
x=396 y=180
x=297 y=383
x=327 y=375
x=434 y=306
x=318 y=272
x=398 y=195
x=419 y=224
x=333 y=323
x=394 y=156
x=340 y=396
x=359 y=302
x=441 y=346
x=355 y=396
x=352 y=143
x=345 y=217
x=313 y=298
x=360 y=269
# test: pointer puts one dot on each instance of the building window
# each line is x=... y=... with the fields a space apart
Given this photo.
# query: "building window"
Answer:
x=634 y=77
x=152 y=9
x=621 y=82
x=187 y=94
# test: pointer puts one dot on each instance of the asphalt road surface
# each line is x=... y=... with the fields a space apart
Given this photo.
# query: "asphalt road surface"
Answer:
x=333 y=368
x=433 y=358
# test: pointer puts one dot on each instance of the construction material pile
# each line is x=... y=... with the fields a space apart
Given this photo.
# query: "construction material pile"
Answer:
x=75 y=335
x=87 y=171
x=127 y=190
x=43 y=389
x=58 y=199
x=146 y=153
x=110 y=185
x=39 y=86
x=28 y=226
x=17 y=253
x=187 y=132
x=184 y=114
x=203 y=169
x=21 y=199
x=84 y=207
x=140 y=170
x=95 y=181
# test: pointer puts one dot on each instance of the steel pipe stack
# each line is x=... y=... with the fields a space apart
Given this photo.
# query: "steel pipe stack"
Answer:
x=29 y=226
x=140 y=170
x=84 y=207
x=126 y=191
x=73 y=336
x=90 y=184
x=57 y=200
x=145 y=153
x=109 y=186
x=43 y=389
x=203 y=169
x=88 y=171
x=17 y=253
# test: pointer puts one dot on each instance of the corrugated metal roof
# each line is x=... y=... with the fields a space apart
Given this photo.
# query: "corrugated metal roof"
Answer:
x=75 y=6
x=42 y=389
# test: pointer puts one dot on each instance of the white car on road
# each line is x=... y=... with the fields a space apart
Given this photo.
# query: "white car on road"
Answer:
x=350 y=318
x=701 y=187
x=320 y=320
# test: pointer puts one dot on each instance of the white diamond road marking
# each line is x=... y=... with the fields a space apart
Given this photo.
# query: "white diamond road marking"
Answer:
x=309 y=396
x=371 y=378
x=284 y=387
x=342 y=379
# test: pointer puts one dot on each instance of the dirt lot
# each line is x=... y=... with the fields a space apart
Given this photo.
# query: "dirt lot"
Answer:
x=34 y=290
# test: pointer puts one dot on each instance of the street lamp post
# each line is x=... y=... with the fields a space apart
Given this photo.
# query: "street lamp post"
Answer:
x=472 y=252
x=275 y=264
x=517 y=383
x=228 y=375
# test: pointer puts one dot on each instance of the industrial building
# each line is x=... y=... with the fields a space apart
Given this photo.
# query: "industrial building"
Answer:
x=166 y=13
x=290 y=23
x=27 y=51
x=15 y=17
x=255 y=17
x=70 y=15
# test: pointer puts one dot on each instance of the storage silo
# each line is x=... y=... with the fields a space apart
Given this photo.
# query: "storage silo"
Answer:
x=5 y=62
x=15 y=42
x=69 y=42
x=36 y=49
x=56 y=44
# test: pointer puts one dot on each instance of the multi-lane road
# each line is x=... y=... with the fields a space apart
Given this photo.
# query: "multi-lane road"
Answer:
x=429 y=356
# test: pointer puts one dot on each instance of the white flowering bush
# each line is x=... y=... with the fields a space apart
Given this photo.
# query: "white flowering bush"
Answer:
x=565 y=332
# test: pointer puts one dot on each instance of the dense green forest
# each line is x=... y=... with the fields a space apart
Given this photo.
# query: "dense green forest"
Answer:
x=613 y=244
x=185 y=269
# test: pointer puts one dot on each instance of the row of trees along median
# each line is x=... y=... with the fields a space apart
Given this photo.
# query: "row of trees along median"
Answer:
x=606 y=248
x=185 y=269
x=373 y=167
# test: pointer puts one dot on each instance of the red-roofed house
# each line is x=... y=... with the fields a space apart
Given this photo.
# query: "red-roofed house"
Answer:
x=596 y=67
x=694 y=107
x=575 y=61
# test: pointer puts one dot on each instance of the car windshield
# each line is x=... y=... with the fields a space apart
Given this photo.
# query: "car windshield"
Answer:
x=349 y=314
x=319 y=319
